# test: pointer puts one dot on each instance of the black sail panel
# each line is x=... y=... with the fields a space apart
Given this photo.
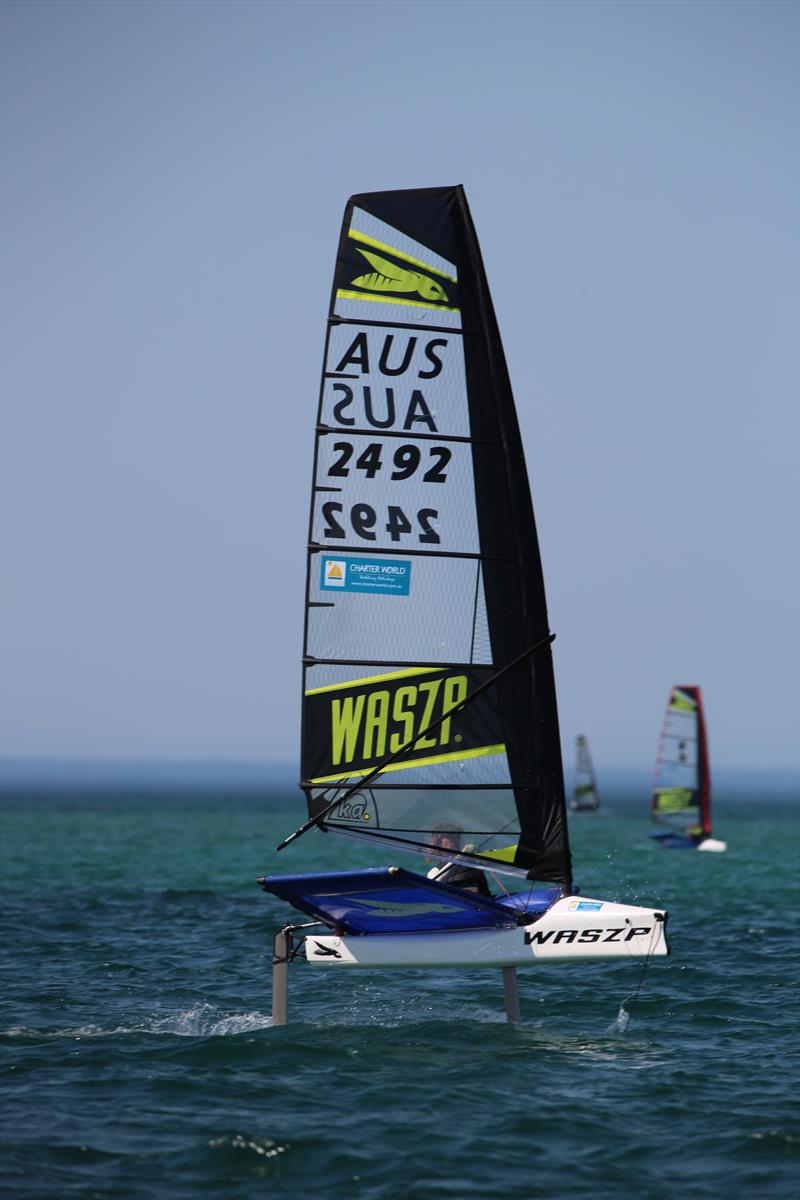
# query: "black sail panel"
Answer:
x=424 y=576
x=513 y=581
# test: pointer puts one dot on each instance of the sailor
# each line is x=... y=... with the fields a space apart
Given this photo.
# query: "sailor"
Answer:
x=448 y=838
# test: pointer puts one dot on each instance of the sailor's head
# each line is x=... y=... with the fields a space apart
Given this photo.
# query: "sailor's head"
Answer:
x=447 y=837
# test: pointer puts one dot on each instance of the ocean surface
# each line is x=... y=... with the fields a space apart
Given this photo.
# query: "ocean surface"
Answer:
x=139 y=1061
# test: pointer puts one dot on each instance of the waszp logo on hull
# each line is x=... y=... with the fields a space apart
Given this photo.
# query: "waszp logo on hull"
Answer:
x=538 y=937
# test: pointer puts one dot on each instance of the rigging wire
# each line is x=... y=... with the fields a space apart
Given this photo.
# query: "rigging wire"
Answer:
x=623 y=1016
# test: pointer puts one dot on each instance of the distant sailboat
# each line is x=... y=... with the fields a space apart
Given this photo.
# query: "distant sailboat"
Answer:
x=585 y=796
x=429 y=703
x=681 y=796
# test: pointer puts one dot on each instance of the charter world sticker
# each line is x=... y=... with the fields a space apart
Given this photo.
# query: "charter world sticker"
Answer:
x=389 y=577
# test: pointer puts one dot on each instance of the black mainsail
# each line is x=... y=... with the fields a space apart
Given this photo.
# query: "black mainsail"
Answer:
x=424 y=579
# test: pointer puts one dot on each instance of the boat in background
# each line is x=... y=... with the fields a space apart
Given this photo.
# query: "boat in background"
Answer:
x=429 y=704
x=585 y=795
x=681 y=796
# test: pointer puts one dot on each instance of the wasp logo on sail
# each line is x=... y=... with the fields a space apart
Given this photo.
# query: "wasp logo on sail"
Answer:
x=387 y=276
x=681 y=701
x=413 y=714
x=371 y=270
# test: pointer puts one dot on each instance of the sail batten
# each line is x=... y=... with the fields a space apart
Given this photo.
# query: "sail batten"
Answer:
x=423 y=559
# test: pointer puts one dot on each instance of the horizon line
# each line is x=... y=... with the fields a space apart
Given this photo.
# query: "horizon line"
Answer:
x=127 y=762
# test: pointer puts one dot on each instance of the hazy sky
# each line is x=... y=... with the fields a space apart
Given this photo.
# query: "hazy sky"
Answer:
x=173 y=181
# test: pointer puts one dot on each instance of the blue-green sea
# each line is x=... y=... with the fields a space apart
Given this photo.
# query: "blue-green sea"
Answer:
x=139 y=1061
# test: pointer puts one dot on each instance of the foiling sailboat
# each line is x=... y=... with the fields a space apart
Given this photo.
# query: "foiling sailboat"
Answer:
x=429 y=704
x=585 y=795
x=681 y=796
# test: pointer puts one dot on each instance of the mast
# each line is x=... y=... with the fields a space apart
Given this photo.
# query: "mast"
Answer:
x=703 y=767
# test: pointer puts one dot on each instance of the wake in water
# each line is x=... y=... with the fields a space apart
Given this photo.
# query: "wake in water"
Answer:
x=203 y=1020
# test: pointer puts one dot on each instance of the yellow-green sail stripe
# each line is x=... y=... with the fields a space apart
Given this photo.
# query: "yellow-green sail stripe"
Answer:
x=675 y=799
x=454 y=756
x=349 y=683
x=370 y=241
x=505 y=854
x=344 y=294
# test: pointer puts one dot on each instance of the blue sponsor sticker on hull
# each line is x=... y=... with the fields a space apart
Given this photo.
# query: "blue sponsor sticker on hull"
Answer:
x=389 y=576
x=585 y=905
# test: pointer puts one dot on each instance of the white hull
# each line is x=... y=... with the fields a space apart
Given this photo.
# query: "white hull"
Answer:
x=574 y=928
x=713 y=845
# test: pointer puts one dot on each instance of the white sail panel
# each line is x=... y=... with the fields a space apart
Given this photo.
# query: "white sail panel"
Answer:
x=481 y=634
x=415 y=624
x=394 y=379
x=486 y=767
x=399 y=312
x=395 y=494
x=678 y=761
x=487 y=820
